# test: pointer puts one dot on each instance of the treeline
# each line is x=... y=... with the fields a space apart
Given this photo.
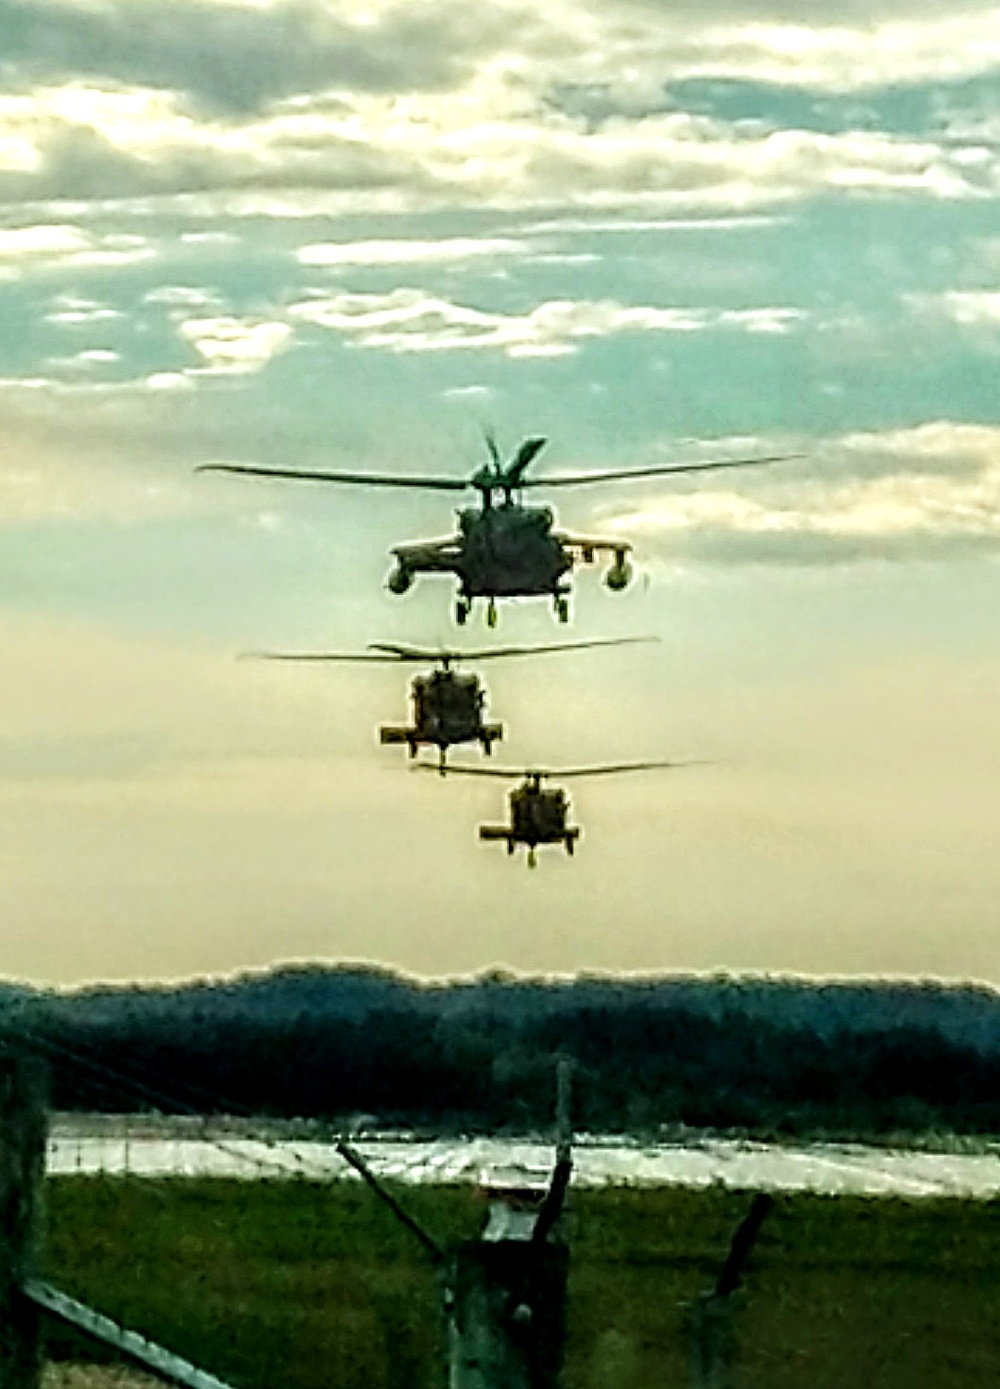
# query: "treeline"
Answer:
x=766 y=1057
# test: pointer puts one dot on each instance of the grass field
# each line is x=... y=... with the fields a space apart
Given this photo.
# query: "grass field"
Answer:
x=316 y=1286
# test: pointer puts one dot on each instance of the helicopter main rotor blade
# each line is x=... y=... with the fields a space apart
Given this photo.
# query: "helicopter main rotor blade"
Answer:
x=503 y=773
x=398 y=651
x=491 y=445
x=433 y=484
x=317 y=656
x=515 y=470
x=614 y=768
x=403 y=652
x=655 y=470
x=487 y=653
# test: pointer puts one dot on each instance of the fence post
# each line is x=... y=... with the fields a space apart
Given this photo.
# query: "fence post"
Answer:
x=507 y=1326
x=23 y=1131
x=508 y=1321
x=710 y=1318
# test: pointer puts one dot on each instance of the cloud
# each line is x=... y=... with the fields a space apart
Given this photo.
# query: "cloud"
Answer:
x=179 y=298
x=408 y=252
x=970 y=308
x=410 y=320
x=236 y=345
x=65 y=246
x=241 y=58
x=470 y=395
x=928 y=492
x=90 y=360
x=75 y=311
x=84 y=453
x=497 y=141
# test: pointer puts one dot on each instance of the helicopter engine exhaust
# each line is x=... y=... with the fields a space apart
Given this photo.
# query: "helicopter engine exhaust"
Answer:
x=619 y=576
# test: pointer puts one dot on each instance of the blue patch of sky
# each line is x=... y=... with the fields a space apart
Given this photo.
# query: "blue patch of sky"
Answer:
x=854 y=260
x=906 y=109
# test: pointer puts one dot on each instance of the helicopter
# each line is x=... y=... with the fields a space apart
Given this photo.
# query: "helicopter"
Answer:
x=538 y=814
x=448 y=706
x=503 y=548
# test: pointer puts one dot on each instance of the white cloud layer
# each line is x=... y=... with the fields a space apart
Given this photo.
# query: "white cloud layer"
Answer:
x=400 y=251
x=410 y=320
x=66 y=246
x=239 y=57
x=501 y=140
x=914 y=493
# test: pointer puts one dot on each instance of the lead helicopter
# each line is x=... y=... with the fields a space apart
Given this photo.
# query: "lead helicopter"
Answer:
x=503 y=548
x=539 y=814
x=449 y=706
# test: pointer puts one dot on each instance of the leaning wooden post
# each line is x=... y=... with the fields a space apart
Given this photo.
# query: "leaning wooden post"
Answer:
x=23 y=1132
x=710 y=1321
x=508 y=1313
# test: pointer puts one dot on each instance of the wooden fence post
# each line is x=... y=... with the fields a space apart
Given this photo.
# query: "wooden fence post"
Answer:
x=23 y=1132
x=710 y=1323
x=507 y=1323
x=508 y=1320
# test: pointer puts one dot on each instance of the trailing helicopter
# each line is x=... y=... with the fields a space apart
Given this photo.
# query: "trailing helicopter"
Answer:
x=448 y=706
x=503 y=548
x=538 y=814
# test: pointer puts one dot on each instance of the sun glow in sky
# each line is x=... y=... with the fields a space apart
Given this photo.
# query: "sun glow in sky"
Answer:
x=318 y=234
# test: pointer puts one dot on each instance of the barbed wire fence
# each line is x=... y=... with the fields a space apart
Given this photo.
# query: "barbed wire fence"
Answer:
x=504 y=1302
x=490 y=1297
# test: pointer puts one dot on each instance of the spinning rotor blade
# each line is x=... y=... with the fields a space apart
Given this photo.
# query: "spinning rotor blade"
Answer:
x=505 y=773
x=317 y=656
x=514 y=472
x=397 y=651
x=655 y=470
x=491 y=445
x=433 y=484
x=614 y=768
x=487 y=653
x=509 y=773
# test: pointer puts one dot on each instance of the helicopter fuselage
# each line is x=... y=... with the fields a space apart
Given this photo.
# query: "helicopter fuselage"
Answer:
x=538 y=815
x=448 y=708
x=510 y=551
x=507 y=550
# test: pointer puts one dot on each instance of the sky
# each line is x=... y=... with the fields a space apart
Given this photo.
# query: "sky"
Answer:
x=360 y=235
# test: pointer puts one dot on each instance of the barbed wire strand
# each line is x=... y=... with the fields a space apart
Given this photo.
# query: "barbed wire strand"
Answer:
x=163 y=1103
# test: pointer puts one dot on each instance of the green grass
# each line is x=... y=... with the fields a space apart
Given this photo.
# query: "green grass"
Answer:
x=310 y=1285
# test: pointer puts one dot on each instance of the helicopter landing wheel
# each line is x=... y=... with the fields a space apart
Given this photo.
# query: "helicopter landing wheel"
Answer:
x=569 y=845
x=491 y=614
x=532 y=857
x=562 y=609
x=510 y=848
x=462 y=610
